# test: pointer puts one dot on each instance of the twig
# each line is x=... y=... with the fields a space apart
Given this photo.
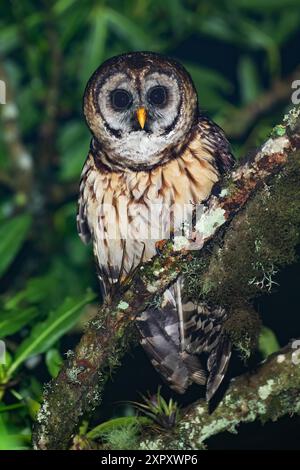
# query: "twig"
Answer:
x=241 y=121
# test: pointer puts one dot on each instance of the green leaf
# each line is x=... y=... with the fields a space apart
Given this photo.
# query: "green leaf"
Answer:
x=61 y=5
x=8 y=439
x=129 y=30
x=218 y=28
x=248 y=80
x=112 y=424
x=212 y=87
x=208 y=77
x=268 y=5
x=9 y=39
x=73 y=146
x=46 y=333
x=12 y=236
x=13 y=321
x=15 y=441
x=54 y=361
x=14 y=406
x=288 y=23
x=35 y=291
x=95 y=44
x=47 y=292
x=33 y=407
x=268 y=343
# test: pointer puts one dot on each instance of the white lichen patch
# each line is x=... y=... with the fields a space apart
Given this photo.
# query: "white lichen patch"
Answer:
x=200 y=410
x=265 y=390
x=224 y=192
x=266 y=282
x=214 y=427
x=25 y=161
x=152 y=288
x=43 y=413
x=280 y=358
x=180 y=242
x=73 y=373
x=296 y=357
x=122 y=305
x=257 y=407
x=275 y=145
x=69 y=353
x=210 y=221
x=292 y=117
x=227 y=399
x=10 y=111
x=157 y=272
x=151 y=445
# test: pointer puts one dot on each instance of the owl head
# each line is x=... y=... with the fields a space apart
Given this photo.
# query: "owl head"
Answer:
x=141 y=108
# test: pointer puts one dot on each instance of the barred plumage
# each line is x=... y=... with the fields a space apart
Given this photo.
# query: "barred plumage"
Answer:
x=125 y=204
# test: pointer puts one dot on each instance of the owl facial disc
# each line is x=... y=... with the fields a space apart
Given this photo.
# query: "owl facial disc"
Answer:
x=140 y=108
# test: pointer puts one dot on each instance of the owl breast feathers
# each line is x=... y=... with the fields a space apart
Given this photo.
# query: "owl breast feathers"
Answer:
x=154 y=157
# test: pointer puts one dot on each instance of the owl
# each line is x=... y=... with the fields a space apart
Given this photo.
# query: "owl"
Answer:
x=154 y=157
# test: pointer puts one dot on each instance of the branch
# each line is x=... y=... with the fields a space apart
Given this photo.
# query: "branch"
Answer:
x=78 y=387
x=267 y=394
x=242 y=120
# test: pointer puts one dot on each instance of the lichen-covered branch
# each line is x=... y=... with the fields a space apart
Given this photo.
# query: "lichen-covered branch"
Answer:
x=77 y=389
x=266 y=394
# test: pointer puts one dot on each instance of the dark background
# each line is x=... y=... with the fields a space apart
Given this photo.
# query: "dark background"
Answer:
x=243 y=56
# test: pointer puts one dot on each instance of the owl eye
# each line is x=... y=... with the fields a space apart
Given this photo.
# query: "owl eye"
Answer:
x=120 y=99
x=157 y=95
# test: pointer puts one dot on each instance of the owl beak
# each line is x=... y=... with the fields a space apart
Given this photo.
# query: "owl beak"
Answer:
x=141 y=115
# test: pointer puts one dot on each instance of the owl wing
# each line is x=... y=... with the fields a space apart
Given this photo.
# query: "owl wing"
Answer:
x=86 y=195
x=217 y=144
x=81 y=218
x=174 y=349
x=205 y=334
x=159 y=329
x=93 y=185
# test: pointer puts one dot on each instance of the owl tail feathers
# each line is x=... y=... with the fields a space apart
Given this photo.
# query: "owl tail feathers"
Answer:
x=205 y=334
x=180 y=367
x=160 y=340
x=217 y=365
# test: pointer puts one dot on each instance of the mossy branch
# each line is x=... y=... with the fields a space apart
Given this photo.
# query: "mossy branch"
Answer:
x=266 y=394
x=77 y=389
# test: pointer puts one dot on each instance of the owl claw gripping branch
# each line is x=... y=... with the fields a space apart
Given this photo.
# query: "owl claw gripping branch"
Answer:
x=153 y=157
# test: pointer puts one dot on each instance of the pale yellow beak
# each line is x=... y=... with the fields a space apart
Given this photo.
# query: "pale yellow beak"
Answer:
x=141 y=115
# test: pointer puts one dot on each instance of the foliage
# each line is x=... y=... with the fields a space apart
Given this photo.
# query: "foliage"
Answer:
x=268 y=343
x=235 y=50
x=164 y=414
